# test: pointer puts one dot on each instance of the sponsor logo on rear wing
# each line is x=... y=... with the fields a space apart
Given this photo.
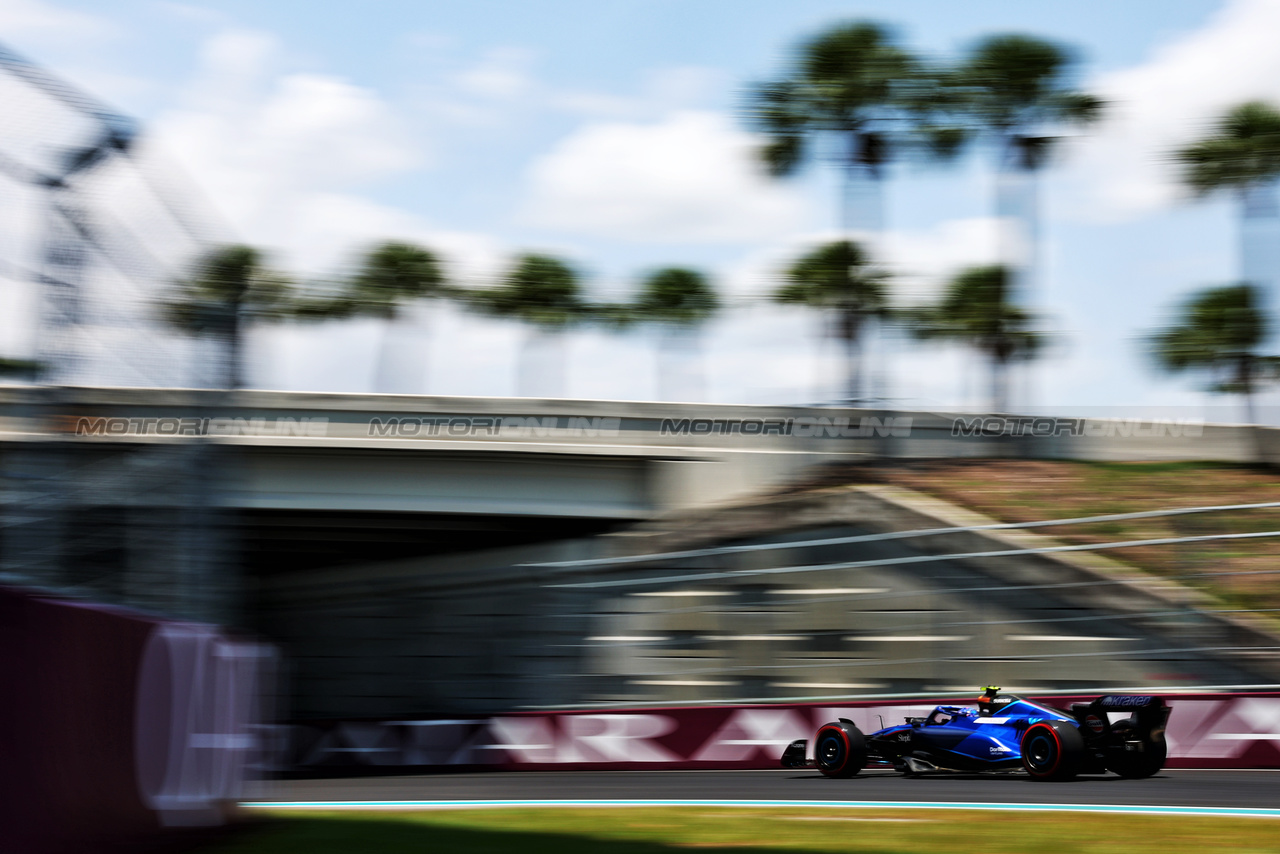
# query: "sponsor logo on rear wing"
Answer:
x=1121 y=701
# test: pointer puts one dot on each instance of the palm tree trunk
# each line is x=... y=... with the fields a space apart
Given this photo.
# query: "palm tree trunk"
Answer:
x=999 y=385
x=235 y=349
x=541 y=371
x=1017 y=209
x=1259 y=236
x=382 y=367
x=1244 y=378
x=821 y=384
x=681 y=373
x=862 y=197
x=853 y=357
x=849 y=332
x=1260 y=258
x=861 y=210
x=399 y=333
x=1017 y=212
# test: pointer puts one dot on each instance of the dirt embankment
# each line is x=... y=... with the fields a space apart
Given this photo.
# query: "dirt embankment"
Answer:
x=1242 y=573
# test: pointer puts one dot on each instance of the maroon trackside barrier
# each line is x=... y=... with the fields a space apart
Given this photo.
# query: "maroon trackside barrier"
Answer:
x=1208 y=730
x=119 y=729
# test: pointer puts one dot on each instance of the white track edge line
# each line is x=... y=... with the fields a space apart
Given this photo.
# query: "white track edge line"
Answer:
x=1124 y=809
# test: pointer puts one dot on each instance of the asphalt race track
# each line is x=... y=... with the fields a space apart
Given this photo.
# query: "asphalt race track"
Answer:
x=1213 y=789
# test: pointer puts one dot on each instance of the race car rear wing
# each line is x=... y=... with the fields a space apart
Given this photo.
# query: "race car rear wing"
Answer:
x=1147 y=712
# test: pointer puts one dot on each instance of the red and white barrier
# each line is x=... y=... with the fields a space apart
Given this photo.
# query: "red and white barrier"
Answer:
x=1205 y=731
x=120 y=726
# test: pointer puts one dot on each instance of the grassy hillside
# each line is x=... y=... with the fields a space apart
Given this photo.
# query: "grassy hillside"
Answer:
x=1242 y=573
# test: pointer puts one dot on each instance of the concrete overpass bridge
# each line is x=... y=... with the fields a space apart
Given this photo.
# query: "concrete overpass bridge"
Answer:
x=319 y=480
x=326 y=479
x=590 y=459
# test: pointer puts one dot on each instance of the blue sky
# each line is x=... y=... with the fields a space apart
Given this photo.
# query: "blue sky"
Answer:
x=610 y=132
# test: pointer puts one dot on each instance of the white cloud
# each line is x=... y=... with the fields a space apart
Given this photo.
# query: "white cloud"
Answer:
x=34 y=19
x=283 y=154
x=1170 y=100
x=265 y=135
x=501 y=74
x=688 y=178
x=73 y=45
x=500 y=88
x=191 y=13
x=662 y=91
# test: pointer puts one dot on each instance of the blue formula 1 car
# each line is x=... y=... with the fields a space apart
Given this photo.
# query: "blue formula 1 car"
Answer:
x=1119 y=733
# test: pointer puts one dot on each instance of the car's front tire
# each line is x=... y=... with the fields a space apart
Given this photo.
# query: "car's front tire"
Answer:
x=839 y=749
x=1052 y=750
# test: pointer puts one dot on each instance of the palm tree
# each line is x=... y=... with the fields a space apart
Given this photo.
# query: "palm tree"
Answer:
x=1242 y=157
x=229 y=287
x=1015 y=92
x=1243 y=152
x=1219 y=331
x=391 y=275
x=544 y=293
x=839 y=278
x=852 y=88
x=976 y=311
x=23 y=369
x=679 y=300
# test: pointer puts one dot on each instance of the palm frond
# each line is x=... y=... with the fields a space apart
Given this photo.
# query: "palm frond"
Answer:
x=1242 y=151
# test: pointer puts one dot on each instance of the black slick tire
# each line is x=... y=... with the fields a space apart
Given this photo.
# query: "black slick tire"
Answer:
x=839 y=749
x=1052 y=750
x=1136 y=765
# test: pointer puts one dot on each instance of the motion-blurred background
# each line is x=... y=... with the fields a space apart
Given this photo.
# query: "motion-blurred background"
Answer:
x=374 y=370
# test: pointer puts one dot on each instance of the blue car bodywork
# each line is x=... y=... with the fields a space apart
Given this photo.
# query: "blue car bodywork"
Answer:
x=1119 y=733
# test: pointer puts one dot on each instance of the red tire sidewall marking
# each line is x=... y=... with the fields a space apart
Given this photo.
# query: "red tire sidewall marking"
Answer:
x=1057 y=759
x=844 y=736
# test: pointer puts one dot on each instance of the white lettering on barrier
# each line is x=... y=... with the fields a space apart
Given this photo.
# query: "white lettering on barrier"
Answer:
x=749 y=733
x=442 y=742
x=584 y=738
x=1252 y=719
x=1189 y=722
x=615 y=738
x=526 y=739
x=1221 y=729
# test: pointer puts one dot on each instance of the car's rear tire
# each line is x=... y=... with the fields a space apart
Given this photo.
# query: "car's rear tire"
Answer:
x=1052 y=750
x=1137 y=764
x=839 y=749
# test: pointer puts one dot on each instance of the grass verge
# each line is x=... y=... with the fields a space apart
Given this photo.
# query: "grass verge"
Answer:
x=743 y=831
